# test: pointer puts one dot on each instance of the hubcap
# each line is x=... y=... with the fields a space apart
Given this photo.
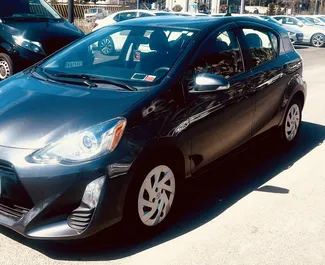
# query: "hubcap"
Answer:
x=106 y=46
x=292 y=122
x=4 y=70
x=156 y=195
x=318 y=40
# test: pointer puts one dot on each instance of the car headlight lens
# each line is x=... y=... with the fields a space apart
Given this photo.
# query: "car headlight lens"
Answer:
x=89 y=144
x=291 y=33
x=33 y=46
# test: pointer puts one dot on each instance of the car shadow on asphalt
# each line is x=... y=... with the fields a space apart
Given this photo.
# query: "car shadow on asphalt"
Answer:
x=205 y=199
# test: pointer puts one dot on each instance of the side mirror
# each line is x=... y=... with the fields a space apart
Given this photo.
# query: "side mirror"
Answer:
x=205 y=82
x=300 y=24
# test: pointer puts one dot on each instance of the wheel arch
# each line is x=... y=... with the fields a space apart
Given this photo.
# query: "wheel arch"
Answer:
x=158 y=150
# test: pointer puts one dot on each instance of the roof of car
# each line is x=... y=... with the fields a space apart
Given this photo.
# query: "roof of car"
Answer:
x=188 y=22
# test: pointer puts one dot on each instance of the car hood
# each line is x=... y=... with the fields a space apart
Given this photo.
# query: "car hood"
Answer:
x=52 y=35
x=34 y=113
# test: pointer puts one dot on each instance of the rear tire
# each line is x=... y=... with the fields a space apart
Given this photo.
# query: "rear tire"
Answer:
x=291 y=124
x=151 y=199
x=6 y=66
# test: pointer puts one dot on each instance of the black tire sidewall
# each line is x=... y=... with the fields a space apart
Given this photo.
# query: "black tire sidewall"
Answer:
x=6 y=58
x=131 y=219
x=283 y=135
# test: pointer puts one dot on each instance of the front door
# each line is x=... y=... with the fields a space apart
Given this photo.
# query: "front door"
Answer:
x=219 y=120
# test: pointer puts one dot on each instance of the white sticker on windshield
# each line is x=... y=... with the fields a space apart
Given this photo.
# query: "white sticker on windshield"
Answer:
x=73 y=64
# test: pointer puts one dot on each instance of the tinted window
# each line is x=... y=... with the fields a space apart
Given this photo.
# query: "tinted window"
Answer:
x=127 y=15
x=221 y=55
x=142 y=14
x=260 y=45
x=117 y=18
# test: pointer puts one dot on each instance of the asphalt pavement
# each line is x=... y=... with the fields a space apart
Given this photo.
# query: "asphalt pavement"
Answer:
x=266 y=206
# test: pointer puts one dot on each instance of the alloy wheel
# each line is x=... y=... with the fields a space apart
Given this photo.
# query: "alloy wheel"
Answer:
x=106 y=46
x=4 y=69
x=292 y=122
x=156 y=195
x=318 y=40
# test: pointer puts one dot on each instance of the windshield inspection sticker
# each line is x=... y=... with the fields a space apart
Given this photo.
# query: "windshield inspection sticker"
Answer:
x=150 y=78
x=137 y=56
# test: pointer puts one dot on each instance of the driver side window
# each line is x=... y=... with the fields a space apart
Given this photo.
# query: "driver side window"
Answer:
x=221 y=55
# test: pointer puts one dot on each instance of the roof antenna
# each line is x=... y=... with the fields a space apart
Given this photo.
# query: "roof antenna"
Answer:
x=228 y=11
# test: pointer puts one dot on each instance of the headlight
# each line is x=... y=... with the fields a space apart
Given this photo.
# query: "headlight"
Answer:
x=291 y=33
x=33 y=46
x=86 y=145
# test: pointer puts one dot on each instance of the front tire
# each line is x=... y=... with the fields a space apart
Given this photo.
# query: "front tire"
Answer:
x=6 y=66
x=151 y=197
x=292 y=121
x=318 y=40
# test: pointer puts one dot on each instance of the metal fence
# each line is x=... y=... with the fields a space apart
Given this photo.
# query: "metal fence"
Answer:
x=80 y=8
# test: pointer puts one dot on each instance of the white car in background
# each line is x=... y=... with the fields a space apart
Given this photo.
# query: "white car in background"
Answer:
x=92 y=14
x=128 y=14
x=115 y=42
x=313 y=34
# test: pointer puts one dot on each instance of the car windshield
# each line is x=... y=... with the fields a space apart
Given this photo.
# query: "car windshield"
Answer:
x=133 y=55
x=305 y=21
x=28 y=9
x=270 y=19
x=91 y=11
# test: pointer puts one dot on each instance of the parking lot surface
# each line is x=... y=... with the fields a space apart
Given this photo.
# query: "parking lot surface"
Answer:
x=265 y=206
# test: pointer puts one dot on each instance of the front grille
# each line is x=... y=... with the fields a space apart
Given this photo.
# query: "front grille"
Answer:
x=13 y=211
x=11 y=189
x=80 y=218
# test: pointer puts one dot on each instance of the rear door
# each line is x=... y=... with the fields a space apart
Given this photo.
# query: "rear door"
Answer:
x=268 y=64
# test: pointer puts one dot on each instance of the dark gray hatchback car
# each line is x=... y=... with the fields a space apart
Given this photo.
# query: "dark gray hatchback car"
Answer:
x=88 y=140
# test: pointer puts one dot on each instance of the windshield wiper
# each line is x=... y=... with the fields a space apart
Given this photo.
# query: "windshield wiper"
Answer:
x=91 y=80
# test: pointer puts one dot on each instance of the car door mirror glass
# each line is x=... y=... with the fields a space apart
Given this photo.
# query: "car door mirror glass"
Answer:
x=205 y=82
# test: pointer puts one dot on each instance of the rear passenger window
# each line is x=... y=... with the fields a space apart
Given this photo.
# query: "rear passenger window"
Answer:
x=263 y=45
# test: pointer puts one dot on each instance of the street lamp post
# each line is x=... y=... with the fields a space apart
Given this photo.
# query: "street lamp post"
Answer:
x=70 y=11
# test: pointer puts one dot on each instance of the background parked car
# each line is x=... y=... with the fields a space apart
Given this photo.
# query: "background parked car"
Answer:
x=92 y=14
x=295 y=34
x=313 y=34
x=30 y=31
x=312 y=19
x=126 y=15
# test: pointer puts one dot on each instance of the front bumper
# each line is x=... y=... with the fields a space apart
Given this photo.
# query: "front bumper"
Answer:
x=38 y=201
x=23 y=58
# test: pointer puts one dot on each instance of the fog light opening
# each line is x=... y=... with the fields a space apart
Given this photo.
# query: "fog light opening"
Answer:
x=92 y=192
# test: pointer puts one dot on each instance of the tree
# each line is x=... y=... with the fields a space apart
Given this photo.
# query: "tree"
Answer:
x=177 y=8
x=271 y=9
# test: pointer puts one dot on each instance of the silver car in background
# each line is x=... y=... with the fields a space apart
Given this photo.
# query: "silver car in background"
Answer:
x=295 y=34
x=313 y=34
